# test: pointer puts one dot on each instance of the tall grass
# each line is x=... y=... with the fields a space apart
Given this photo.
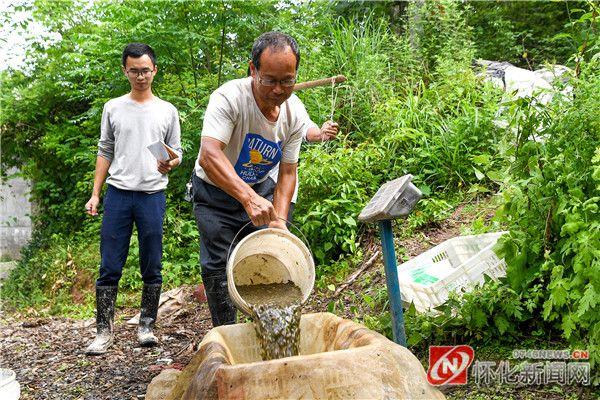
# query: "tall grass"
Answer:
x=393 y=123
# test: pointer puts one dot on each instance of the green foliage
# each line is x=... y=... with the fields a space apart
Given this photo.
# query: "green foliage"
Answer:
x=372 y=59
x=427 y=131
x=552 y=198
x=429 y=210
x=54 y=281
x=477 y=316
x=337 y=195
x=437 y=31
x=551 y=192
x=526 y=34
x=444 y=132
x=549 y=179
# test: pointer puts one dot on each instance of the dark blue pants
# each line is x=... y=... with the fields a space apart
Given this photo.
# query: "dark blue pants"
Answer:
x=121 y=209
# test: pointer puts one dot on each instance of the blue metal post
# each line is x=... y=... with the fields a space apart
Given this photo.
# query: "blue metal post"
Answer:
x=391 y=277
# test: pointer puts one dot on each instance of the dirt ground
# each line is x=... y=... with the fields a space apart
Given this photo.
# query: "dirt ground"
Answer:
x=47 y=355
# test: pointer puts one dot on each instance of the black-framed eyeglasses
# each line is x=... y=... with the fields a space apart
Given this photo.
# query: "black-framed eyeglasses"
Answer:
x=134 y=73
x=273 y=82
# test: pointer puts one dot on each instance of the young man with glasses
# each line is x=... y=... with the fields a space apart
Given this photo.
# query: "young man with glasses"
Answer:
x=251 y=127
x=135 y=192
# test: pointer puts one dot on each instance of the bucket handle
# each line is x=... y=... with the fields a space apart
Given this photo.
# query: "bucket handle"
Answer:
x=283 y=219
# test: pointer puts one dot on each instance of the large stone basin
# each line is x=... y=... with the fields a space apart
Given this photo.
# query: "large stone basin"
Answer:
x=339 y=359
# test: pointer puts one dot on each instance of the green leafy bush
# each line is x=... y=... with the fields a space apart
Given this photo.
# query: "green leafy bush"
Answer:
x=552 y=200
x=524 y=33
x=551 y=205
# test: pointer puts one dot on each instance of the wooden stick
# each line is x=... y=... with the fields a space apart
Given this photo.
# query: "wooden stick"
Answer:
x=356 y=274
x=319 y=82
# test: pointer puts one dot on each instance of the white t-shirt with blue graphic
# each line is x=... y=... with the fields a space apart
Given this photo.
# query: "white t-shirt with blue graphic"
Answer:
x=253 y=144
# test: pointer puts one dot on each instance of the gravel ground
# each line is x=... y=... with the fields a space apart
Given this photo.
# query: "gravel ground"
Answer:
x=47 y=354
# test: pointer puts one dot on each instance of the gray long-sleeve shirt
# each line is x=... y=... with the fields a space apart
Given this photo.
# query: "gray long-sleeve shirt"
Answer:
x=127 y=129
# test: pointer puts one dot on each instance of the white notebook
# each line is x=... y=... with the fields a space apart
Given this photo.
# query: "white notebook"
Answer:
x=161 y=151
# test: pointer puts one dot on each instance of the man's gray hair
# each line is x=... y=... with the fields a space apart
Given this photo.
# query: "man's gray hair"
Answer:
x=277 y=41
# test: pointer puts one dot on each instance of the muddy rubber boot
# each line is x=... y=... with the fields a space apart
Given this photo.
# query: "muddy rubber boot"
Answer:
x=222 y=310
x=149 y=311
x=105 y=312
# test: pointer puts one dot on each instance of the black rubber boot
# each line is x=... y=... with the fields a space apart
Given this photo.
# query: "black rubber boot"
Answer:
x=222 y=310
x=149 y=311
x=105 y=312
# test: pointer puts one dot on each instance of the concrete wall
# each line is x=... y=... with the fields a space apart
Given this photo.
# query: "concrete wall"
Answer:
x=15 y=209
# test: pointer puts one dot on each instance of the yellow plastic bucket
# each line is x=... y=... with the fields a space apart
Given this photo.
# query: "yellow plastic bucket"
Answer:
x=269 y=256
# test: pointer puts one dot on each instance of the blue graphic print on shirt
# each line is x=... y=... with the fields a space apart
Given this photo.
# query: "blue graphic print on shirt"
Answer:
x=257 y=157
